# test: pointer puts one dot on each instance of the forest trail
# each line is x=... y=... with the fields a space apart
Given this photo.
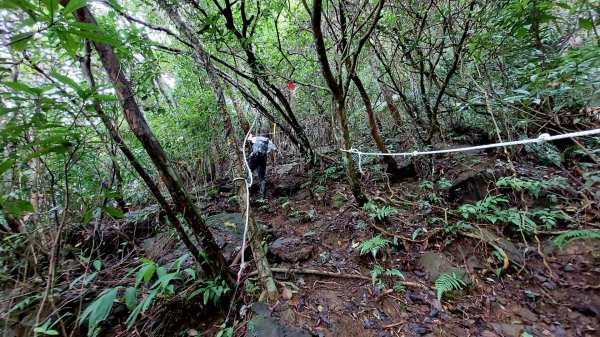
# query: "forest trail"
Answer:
x=313 y=225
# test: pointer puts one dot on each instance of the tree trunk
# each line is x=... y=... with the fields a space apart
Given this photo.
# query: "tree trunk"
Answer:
x=389 y=100
x=338 y=98
x=214 y=264
x=237 y=105
x=392 y=167
x=114 y=133
x=361 y=199
x=256 y=240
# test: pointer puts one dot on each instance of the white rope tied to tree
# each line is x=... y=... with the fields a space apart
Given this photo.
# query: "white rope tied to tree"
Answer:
x=248 y=182
x=544 y=137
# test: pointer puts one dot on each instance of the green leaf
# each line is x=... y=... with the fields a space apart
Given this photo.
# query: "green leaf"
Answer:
x=99 y=309
x=17 y=207
x=67 y=42
x=16 y=86
x=52 y=6
x=106 y=98
x=97 y=264
x=145 y=273
x=5 y=165
x=206 y=296
x=190 y=272
x=113 y=211
x=585 y=24
x=69 y=82
x=19 y=41
x=73 y=5
x=43 y=330
x=131 y=298
x=98 y=37
x=45 y=150
x=86 y=26
x=87 y=217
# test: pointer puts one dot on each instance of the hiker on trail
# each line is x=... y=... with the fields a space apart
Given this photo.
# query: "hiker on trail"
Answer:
x=261 y=146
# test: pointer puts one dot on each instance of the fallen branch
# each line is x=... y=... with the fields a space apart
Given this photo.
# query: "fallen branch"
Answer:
x=333 y=274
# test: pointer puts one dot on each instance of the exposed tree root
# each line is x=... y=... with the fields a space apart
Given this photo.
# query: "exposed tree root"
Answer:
x=332 y=274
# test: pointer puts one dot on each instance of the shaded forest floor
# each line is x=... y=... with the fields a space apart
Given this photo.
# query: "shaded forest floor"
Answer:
x=311 y=223
x=324 y=227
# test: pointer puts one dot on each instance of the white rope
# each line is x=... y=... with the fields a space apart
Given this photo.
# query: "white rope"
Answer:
x=544 y=137
x=248 y=182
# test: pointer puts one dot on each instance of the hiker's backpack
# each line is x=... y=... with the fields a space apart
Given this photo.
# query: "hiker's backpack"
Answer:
x=261 y=146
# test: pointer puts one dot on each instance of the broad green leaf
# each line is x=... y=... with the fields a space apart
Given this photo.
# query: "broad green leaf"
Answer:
x=586 y=24
x=206 y=296
x=5 y=165
x=46 y=150
x=87 y=217
x=69 y=82
x=68 y=42
x=190 y=272
x=145 y=273
x=161 y=272
x=52 y=6
x=106 y=98
x=17 y=86
x=131 y=298
x=89 y=278
x=73 y=5
x=98 y=37
x=97 y=264
x=86 y=26
x=17 y=207
x=142 y=307
x=99 y=309
x=113 y=211
x=19 y=41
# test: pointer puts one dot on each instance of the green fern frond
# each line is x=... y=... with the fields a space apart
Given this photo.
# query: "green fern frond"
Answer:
x=375 y=273
x=446 y=283
x=394 y=272
x=579 y=234
x=373 y=245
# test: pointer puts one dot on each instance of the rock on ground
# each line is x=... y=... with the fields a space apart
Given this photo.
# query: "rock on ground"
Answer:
x=291 y=249
x=436 y=264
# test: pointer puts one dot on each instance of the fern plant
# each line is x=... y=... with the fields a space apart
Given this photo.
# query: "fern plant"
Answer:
x=373 y=246
x=377 y=271
x=379 y=213
x=579 y=234
x=446 y=283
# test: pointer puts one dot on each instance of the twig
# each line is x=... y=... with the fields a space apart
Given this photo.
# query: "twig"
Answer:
x=332 y=274
x=389 y=326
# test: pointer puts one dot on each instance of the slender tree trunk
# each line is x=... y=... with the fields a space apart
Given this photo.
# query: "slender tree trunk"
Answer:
x=148 y=180
x=214 y=264
x=361 y=199
x=256 y=240
x=392 y=167
x=337 y=92
x=389 y=100
x=120 y=200
x=237 y=105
